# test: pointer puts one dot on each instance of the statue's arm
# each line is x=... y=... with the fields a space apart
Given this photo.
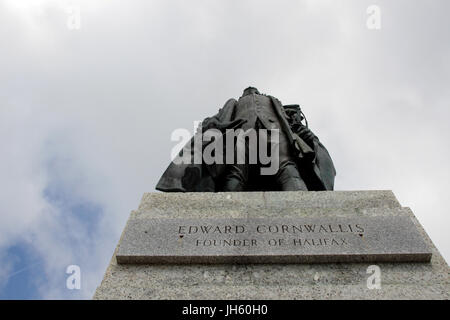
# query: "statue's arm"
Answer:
x=223 y=119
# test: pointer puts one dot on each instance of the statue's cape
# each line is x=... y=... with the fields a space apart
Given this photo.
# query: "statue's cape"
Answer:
x=181 y=177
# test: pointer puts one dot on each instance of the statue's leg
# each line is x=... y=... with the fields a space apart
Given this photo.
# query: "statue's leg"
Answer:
x=236 y=178
x=288 y=177
x=237 y=175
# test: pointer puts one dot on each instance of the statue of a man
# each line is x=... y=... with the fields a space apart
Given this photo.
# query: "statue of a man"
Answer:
x=302 y=162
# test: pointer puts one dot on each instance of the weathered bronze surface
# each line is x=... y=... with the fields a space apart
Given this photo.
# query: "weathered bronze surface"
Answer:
x=303 y=163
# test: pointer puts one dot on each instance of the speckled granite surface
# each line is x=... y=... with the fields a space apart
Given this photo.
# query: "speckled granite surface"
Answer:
x=275 y=281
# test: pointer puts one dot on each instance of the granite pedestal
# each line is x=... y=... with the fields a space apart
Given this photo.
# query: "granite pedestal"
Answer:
x=160 y=256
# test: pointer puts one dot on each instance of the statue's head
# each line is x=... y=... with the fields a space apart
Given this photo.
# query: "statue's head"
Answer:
x=250 y=90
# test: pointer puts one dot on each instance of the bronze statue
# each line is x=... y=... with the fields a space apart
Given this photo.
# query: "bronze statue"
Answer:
x=246 y=127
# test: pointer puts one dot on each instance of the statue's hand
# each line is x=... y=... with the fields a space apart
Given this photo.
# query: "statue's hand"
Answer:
x=306 y=134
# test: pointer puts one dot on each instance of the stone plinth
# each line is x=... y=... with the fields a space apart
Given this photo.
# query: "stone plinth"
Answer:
x=235 y=279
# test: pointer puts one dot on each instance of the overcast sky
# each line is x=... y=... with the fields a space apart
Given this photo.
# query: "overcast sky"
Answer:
x=86 y=113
